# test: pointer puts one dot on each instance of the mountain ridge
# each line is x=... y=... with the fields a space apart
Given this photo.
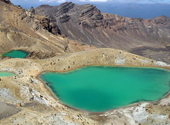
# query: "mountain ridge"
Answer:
x=87 y=24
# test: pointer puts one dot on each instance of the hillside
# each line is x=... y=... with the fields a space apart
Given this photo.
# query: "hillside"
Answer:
x=22 y=29
x=87 y=24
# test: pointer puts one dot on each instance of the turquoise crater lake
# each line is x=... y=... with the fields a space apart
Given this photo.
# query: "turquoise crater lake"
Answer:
x=102 y=88
x=16 y=54
x=2 y=74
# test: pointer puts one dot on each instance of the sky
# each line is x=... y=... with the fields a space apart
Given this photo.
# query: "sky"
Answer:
x=36 y=3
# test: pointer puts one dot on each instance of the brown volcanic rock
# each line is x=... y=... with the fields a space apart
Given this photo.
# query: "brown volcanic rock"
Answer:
x=46 y=24
x=85 y=23
x=40 y=21
x=40 y=55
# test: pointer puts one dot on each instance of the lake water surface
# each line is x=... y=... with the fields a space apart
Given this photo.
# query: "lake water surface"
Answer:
x=2 y=74
x=16 y=54
x=102 y=88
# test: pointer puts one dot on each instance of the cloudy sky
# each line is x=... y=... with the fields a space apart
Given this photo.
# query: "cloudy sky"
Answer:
x=36 y=3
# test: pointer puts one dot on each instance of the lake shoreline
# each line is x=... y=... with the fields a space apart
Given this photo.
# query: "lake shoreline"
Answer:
x=130 y=105
x=26 y=88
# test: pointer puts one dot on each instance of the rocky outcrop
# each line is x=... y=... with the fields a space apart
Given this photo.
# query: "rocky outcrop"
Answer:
x=162 y=20
x=32 y=10
x=64 y=8
x=98 y=16
x=27 y=15
x=38 y=22
x=54 y=29
x=88 y=11
x=64 y=18
x=46 y=24
x=40 y=55
x=91 y=12
x=85 y=24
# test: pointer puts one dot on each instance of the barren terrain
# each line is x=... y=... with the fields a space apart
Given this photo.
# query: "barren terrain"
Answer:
x=26 y=100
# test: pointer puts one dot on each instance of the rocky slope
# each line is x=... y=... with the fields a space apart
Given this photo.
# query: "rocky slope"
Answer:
x=87 y=24
x=22 y=29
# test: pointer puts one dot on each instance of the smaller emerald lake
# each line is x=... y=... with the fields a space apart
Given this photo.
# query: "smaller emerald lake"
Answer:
x=103 y=88
x=16 y=54
x=2 y=74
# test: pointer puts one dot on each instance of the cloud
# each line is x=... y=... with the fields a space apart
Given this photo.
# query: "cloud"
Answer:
x=94 y=0
x=50 y=1
x=121 y=1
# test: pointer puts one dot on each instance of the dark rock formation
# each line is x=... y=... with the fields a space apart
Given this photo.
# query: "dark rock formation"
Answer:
x=32 y=10
x=88 y=11
x=40 y=55
x=64 y=8
x=98 y=16
x=54 y=29
x=64 y=18
x=48 y=25
x=38 y=22
x=45 y=23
